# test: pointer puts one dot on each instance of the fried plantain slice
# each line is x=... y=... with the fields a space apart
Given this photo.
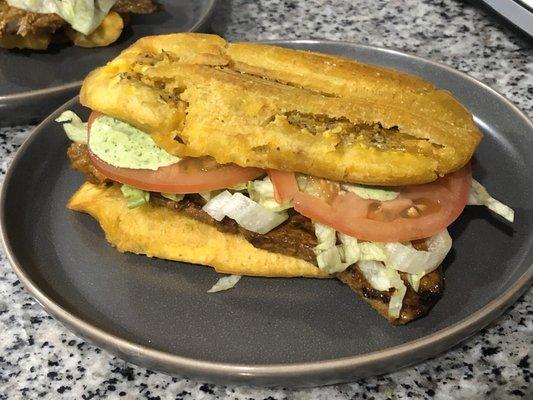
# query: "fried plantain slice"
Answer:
x=276 y=108
x=171 y=235
x=108 y=32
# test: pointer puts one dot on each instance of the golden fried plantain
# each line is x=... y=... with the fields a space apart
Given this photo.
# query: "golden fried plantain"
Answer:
x=168 y=234
x=271 y=107
x=108 y=32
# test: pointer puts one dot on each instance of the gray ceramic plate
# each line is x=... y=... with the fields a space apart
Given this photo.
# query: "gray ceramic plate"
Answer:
x=290 y=332
x=33 y=83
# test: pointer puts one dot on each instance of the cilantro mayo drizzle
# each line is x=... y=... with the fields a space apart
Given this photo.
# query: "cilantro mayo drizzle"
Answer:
x=122 y=145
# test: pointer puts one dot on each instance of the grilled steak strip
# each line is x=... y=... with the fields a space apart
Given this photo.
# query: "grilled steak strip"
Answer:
x=295 y=238
x=415 y=304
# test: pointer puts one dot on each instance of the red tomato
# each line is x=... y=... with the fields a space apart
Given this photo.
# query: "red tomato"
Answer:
x=92 y=117
x=418 y=212
x=285 y=185
x=190 y=175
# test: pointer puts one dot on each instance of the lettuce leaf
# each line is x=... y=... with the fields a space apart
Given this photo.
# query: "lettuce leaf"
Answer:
x=246 y=212
x=327 y=237
x=225 y=283
x=372 y=251
x=330 y=257
x=479 y=196
x=383 y=278
x=414 y=280
x=262 y=192
x=370 y=257
x=74 y=127
x=330 y=261
x=173 y=197
x=408 y=259
x=351 y=250
x=135 y=197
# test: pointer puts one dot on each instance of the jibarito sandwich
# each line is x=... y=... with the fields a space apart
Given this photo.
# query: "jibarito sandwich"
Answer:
x=264 y=161
x=34 y=24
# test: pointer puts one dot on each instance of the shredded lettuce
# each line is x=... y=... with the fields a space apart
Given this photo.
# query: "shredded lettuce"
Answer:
x=376 y=274
x=246 y=212
x=480 y=197
x=243 y=187
x=206 y=195
x=301 y=181
x=215 y=206
x=135 y=197
x=351 y=252
x=370 y=257
x=350 y=249
x=372 y=251
x=330 y=257
x=371 y=192
x=414 y=280
x=173 y=197
x=383 y=278
x=209 y=195
x=330 y=261
x=262 y=192
x=396 y=300
x=240 y=187
x=309 y=186
x=327 y=237
x=74 y=127
x=83 y=15
x=408 y=259
x=225 y=283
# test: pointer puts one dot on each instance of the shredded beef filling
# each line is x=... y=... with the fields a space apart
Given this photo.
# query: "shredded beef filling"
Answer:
x=415 y=304
x=295 y=238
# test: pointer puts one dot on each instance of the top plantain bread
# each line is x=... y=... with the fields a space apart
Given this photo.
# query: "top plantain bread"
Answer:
x=276 y=108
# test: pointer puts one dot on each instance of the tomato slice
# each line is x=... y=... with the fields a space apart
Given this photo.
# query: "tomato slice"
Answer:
x=92 y=117
x=418 y=212
x=190 y=175
x=178 y=179
x=285 y=185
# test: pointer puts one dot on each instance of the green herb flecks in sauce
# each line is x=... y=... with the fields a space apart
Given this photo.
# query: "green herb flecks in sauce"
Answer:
x=122 y=145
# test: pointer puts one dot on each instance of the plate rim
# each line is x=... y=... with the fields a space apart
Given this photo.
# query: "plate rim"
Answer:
x=250 y=373
x=30 y=94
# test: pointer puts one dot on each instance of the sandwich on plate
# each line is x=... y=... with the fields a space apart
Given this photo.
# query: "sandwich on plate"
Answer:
x=266 y=161
x=34 y=24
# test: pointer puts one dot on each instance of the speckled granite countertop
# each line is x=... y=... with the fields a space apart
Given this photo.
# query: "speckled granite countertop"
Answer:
x=39 y=358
